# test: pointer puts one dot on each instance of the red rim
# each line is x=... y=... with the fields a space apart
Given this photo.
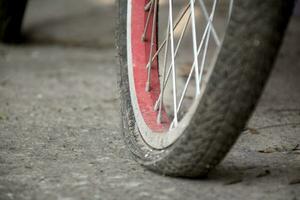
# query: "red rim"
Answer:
x=140 y=57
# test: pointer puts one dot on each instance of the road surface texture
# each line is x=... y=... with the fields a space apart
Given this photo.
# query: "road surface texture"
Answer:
x=59 y=119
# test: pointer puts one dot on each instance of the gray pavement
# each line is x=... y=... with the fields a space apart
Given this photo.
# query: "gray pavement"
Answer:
x=59 y=119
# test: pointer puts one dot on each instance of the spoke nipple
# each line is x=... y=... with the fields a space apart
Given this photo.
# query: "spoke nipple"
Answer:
x=149 y=65
x=156 y=105
x=148 y=6
x=171 y=126
x=147 y=89
x=159 y=118
x=144 y=38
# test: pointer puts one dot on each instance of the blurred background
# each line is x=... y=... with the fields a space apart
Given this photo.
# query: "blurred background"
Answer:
x=88 y=23
x=73 y=22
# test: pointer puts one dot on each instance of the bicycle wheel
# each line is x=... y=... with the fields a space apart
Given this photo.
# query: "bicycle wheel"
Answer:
x=191 y=73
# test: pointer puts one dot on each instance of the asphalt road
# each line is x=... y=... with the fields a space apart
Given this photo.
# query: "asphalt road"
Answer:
x=59 y=119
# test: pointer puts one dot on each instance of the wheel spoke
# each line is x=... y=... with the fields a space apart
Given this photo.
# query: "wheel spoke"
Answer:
x=150 y=3
x=151 y=46
x=170 y=67
x=206 y=43
x=174 y=28
x=205 y=35
x=192 y=2
x=173 y=63
x=148 y=6
x=205 y=13
x=159 y=116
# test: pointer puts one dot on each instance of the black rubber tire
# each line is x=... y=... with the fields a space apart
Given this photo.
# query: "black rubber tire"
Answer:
x=11 y=17
x=244 y=63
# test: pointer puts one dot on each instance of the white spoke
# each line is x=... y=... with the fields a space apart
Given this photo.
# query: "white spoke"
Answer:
x=173 y=63
x=148 y=6
x=148 y=83
x=204 y=57
x=159 y=117
x=206 y=43
x=174 y=28
x=191 y=72
x=170 y=67
x=204 y=10
x=205 y=35
x=148 y=19
x=192 y=2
